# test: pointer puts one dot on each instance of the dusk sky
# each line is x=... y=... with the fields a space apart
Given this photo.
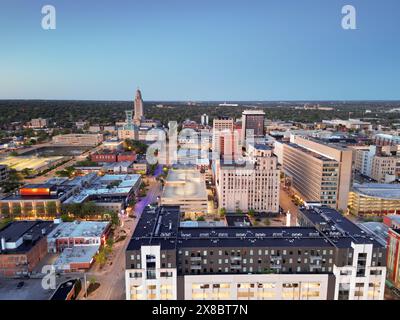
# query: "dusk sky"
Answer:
x=200 y=50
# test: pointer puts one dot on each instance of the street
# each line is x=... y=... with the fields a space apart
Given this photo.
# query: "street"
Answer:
x=112 y=276
x=285 y=201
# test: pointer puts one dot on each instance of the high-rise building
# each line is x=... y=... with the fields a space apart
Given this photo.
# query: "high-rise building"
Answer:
x=252 y=125
x=251 y=185
x=363 y=159
x=313 y=177
x=326 y=258
x=225 y=142
x=335 y=152
x=138 y=107
x=204 y=120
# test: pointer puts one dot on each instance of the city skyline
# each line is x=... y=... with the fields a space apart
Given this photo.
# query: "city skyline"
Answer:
x=178 y=51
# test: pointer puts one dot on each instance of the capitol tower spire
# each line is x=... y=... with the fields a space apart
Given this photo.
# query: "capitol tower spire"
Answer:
x=138 y=107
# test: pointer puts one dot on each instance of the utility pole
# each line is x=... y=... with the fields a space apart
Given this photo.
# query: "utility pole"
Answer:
x=84 y=280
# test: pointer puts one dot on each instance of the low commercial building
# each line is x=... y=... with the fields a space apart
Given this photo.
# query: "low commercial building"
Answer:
x=350 y=124
x=78 y=242
x=35 y=201
x=22 y=245
x=112 y=192
x=374 y=199
x=140 y=166
x=73 y=139
x=392 y=221
x=112 y=156
x=326 y=258
x=77 y=233
x=185 y=188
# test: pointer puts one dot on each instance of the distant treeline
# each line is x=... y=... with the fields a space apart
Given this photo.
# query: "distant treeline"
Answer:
x=66 y=113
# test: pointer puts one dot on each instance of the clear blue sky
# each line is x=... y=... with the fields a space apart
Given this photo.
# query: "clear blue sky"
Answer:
x=200 y=50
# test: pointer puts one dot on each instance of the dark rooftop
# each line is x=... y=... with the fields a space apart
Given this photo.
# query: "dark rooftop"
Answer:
x=326 y=228
x=29 y=231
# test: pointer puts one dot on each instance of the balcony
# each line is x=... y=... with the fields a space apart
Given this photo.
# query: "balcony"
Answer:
x=236 y=266
x=195 y=267
x=236 y=258
x=276 y=258
x=195 y=258
x=315 y=258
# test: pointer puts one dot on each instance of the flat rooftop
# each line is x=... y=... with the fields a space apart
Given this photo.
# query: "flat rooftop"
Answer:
x=160 y=226
x=309 y=152
x=184 y=183
x=76 y=254
x=79 y=229
x=104 y=187
x=29 y=231
x=378 y=190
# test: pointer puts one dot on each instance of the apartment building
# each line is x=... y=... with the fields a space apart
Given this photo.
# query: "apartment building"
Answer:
x=312 y=176
x=326 y=258
x=250 y=185
x=385 y=169
x=363 y=157
x=38 y=123
x=337 y=152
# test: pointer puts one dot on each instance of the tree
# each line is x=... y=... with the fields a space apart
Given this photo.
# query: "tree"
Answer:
x=222 y=212
x=114 y=219
x=66 y=218
x=267 y=222
x=239 y=211
x=16 y=210
x=201 y=218
x=89 y=209
x=251 y=212
x=51 y=208
x=132 y=201
x=101 y=257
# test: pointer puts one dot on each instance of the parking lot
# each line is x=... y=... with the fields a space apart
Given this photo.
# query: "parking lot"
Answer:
x=30 y=290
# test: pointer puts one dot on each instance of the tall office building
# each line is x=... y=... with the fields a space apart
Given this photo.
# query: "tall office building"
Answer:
x=252 y=185
x=138 y=108
x=313 y=177
x=335 y=152
x=252 y=125
x=326 y=258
